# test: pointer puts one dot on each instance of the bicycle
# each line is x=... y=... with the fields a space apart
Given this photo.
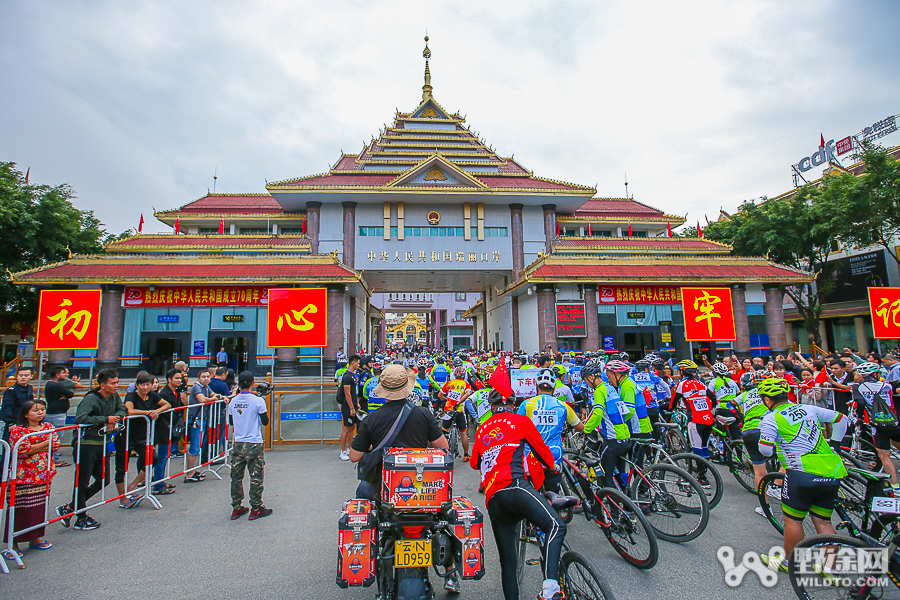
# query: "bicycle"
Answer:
x=742 y=468
x=579 y=578
x=451 y=432
x=622 y=522
x=690 y=462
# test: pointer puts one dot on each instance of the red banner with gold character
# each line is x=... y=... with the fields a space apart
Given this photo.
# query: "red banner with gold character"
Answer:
x=183 y=295
x=297 y=318
x=708 y=314
x=68 y=320
x=884 y=308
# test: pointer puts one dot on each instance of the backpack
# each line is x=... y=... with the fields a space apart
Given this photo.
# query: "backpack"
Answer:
x=883 y=414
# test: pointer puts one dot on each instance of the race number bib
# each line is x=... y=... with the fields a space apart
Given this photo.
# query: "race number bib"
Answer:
x=482 y=408
x=700 y=404
x=546 y=418
x=489 y=460
x=454 y=395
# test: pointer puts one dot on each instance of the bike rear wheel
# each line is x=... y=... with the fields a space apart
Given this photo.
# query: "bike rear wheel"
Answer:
x=581 y=580
x=674 y=442
x=673 y=502
x=453 y=440
x=693 y=464
x=815 y=570
x=742 y=468
x=626 y=528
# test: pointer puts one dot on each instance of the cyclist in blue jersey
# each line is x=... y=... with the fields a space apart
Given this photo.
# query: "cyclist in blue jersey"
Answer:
x=423 y=384
x=649 y=384
x=440 y=374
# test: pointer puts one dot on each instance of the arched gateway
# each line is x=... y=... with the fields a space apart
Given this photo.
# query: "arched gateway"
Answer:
x=425 y=206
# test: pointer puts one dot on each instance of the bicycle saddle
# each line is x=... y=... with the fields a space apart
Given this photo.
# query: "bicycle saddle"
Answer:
x=561 y=502
x=869 y=474
x=664 y=425
x=725 y=420
x=589 y=462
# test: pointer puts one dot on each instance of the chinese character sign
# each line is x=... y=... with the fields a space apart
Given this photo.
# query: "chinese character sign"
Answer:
x=708 y=314
x=212 y=295
x=68 y=320
x=639 y=294
x=570 y=320
x=523 y=382
x=884 y=307
x=297 y=318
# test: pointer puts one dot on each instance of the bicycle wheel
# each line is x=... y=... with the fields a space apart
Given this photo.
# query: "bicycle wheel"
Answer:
x=453 y=440
x=581 y=580
x=692 y=463
x=521 y=548
x=742 y=468
x=817 y=571
x=769 y=496
x=674 y=441
x=626 y=528
x=673 y=502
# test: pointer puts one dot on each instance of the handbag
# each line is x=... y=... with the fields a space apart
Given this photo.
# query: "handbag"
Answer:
x=370 y=463
x=178 y=429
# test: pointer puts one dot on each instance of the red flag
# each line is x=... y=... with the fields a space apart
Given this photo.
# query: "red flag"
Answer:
x=821 y=141
x=177 y=225
x=669 y=227
x=499 y=380
x=27 y=173
x=222 y=226
x=699 y=231
x=590 y=232
x=303 y=226
x=557 y=229
x=141 y=224
x=629 y=229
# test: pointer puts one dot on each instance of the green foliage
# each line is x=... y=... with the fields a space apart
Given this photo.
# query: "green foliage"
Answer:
x=38 y=222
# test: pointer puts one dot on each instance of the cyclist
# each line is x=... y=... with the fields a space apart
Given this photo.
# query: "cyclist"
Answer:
x=454 y=392
x=610 y=413
x=721 y=391
x=373 y=402
x=692 y=394
x=875 y=397
x=813 y=470
x=423 y=384
x=561 y=390
x=479 y=406
x=652 y=387
x=550 y=415
x=438 y=376
x=511 y=475
x=750 y=405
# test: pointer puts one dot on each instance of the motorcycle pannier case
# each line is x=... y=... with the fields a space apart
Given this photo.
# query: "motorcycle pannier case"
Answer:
x=417 y=480
x=357 y=544
x=467 y=524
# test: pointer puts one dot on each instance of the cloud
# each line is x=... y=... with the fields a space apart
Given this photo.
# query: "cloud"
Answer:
x=703 y=104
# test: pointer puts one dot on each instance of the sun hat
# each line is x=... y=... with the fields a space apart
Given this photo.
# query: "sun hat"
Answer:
x=395 y=383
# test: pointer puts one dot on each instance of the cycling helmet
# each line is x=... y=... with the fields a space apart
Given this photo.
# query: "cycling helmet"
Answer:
x=772 y=386
x=559 y=371
x=761 y=375
x=493 y=362
x=658 y=363
x=643 y=363
x=622 y=356
x=439 y=360
x=617 y=366
x=587 y=355
x=721 y=368
x=457 y=362
x=546 y=377
x=459 y=372
x=868 y=368
x=747 y=381
x=593 y=368
x=687 y=365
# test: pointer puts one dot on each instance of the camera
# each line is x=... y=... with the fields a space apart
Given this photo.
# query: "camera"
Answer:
x=264 y=389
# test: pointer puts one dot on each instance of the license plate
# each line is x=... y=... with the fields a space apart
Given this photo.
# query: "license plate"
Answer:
x=412 y=553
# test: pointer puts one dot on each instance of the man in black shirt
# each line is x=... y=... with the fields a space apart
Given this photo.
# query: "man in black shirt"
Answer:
x=420 y=430
x=840 y=380
x=57 y=396
x=347 y=398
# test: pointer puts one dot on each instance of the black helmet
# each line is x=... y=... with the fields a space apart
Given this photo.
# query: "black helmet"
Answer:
x=592 y=369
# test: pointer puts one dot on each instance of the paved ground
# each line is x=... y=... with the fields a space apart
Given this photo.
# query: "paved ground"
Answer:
x=191 y=549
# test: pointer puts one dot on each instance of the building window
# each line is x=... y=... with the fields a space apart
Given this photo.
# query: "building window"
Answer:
x=208 y=231
x=291 y=230
x=599 y=233
x=253 y=231
x=373 y=231
x=495 y=232
x=639 y=233
x=461 y=296
x=459 y=315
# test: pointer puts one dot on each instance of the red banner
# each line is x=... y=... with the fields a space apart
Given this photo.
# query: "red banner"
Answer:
x=708 y=314
x=212 y=295
x=297 y=318
x=884 y=308
x=68 y=320
x=639 y=294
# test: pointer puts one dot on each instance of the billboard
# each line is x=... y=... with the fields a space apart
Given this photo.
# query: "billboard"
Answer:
x=570 y=320
x=297 y=318
x=708 y=314
x=853 y=275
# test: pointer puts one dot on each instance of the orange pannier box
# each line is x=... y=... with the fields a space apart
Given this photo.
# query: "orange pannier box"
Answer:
x=417 y=479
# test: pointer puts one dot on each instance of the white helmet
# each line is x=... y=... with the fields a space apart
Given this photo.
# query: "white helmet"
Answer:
x=868 y=368
x=546 y=377
x=721 y=369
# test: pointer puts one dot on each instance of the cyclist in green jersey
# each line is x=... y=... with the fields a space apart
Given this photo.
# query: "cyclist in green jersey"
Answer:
x=479 y=406
x=750 y=405
x=813 y=470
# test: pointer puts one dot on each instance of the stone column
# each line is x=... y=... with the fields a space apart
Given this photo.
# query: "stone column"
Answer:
x=437 y=329
x=112 y=327
x=349 y=257
x=549 y=226
x=517 y=236
x=352 y=326
x=59 y=358
x=382 y=335
x=775 y=319
x=862 y=343
x=514 y=301
x=591 y=320
x=546 y=312
x=286 y=362
x=484 y=327
x=312 y=225
x=741 y=325
x=823 y=334
x=335 y=327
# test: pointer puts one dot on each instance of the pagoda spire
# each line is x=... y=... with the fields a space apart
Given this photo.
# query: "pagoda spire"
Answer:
x=426 y=89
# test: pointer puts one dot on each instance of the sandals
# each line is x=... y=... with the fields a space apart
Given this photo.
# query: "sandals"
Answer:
x=45 y=545
x=170 y=486
x=163 y=491
x=193 y=479
x=62 y=464
x=132 y=502
x=8 y=554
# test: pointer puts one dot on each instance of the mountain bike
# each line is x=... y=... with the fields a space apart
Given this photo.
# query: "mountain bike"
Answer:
x=694 y=465
x=579 y=578
x=730 y=453
x=819 y=567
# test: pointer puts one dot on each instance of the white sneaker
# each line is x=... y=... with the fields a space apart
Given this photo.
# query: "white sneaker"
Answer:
x=774 y=492
x=345 y=455
x=760 y=511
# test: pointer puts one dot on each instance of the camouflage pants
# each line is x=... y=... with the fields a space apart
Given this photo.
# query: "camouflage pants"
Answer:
x=245 y=455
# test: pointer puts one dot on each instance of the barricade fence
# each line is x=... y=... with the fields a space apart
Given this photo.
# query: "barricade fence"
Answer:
x=206 y=444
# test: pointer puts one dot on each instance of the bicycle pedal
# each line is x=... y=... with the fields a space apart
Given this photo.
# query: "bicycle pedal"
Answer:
x=533 y=561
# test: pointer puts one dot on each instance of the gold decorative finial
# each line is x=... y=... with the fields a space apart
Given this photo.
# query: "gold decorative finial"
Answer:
x=426 y=89
x=69 y=251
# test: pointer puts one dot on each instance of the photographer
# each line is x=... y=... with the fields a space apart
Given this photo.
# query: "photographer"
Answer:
x=248 y=414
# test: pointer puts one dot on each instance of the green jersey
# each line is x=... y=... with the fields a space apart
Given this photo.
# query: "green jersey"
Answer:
x=478 y=402
x=611 y=413
x=751 y=405
x=796 y=430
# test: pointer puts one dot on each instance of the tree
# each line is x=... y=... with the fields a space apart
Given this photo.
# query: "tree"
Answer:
x=38 y=222
x=865 y=209
x=794 y=231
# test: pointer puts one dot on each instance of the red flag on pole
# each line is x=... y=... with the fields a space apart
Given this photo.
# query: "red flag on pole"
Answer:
x=699 y=231
x=303 y=226
x=821 y=141
x=557 y=229
x=669 y=227
x=590 y=232
x=141 y=224
x=177 y=225
x=222 y=226
x=629 y=229
x=27 y=174
x=499 y=379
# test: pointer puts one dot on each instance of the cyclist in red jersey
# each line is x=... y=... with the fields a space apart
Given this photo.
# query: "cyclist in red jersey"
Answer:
x=691 y=393
x=511 y=475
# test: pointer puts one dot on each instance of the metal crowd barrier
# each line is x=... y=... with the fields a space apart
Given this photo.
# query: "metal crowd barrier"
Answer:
x=819 y=396
x=4 y=475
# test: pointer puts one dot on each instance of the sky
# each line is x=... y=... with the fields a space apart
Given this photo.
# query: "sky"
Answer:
x=703 y=104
